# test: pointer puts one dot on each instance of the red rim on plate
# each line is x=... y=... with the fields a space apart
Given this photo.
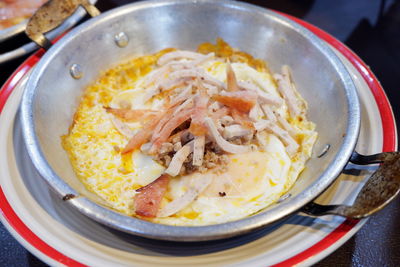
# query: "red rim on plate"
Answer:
x=389 y=144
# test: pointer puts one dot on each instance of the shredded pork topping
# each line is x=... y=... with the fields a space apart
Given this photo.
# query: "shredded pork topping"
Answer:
x=203 y=120
x=202 y=109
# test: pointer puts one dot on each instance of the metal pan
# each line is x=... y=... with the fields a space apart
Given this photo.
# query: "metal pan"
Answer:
x=59 y=79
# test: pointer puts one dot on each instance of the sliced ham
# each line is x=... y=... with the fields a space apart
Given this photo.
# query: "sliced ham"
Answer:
x=202 y=60
x=178 y=159
x=188 y=103
x=231 y=82
x=286 y=125
x=286 y=87
x=263 y=97
x=261 y=139
x=122 y=128
x=243 y=101
x=132 y=115
x=261 y=125
x=197 y=126
x=137 y=140
x=219 y=113
x=164 y=84
x=198 y=150
x=143 y=135
x=156 y=75
x=235 y=130
x=214 y=107
x=173 y=83
x=180 y=54
x=186 y=136
x=255 y=113
x=148 y=200
x=145 y=147
x=183 y=95
x=177 y=119
x=196 y=73
x=284 y=136
x=221 y=142
x=151 y=92
x=196 y=185
x=178 y=64
x=177 y=137
x=211 y=89
x=242 y=118
x=168 y=115
x=269 y=113
x=198 y=61
x=226 y=120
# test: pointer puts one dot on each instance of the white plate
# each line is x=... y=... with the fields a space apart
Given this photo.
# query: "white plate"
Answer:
x=59 y=235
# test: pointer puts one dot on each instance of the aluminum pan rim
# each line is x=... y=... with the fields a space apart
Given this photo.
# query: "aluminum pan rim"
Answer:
x=185 y=233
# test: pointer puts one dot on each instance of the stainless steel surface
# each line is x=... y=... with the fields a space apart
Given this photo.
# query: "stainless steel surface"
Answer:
x=76 y=71
x=29 y=47
x=324 y=150
x=380 y=189
x=284 y=197
x=51 y=15
x=121 y=39
x=152 y=25
x=11 y=31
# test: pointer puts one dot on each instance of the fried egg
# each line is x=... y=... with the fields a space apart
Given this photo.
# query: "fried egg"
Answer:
x=252 y=181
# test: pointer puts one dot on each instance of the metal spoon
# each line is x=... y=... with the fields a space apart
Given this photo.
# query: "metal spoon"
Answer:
x=51 y=15
x=380 y=189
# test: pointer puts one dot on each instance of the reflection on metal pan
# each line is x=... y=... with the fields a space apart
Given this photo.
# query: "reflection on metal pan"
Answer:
x=153 y=25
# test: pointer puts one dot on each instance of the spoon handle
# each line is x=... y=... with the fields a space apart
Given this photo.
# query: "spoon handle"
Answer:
x=51 y=15
x=380 y=189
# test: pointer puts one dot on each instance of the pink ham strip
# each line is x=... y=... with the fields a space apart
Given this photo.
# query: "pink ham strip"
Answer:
x=183 y=95
x=131 y=115
x=231 y=82
x=149 y=197
x=197 y=126
x=162 y=136
x=243 y=101
x=143 y=135
x=189 y=103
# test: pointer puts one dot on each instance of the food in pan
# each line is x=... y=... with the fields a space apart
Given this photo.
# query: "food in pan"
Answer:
x=191 y=138
x=14 y=11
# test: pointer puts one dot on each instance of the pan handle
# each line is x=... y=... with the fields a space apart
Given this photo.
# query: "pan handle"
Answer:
x=380 y=189
x=51 y=15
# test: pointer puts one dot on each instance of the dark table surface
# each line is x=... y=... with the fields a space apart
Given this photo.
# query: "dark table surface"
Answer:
x=371 y=28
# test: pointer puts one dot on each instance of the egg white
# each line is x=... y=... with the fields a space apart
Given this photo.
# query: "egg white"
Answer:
x=252 y=182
